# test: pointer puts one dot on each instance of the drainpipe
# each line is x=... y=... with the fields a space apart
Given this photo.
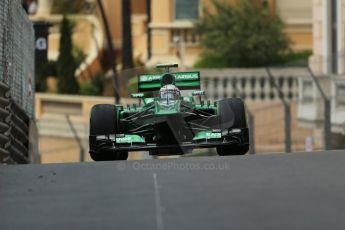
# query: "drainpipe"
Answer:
x=340 y=42
x=327 y=36
x=149 y=36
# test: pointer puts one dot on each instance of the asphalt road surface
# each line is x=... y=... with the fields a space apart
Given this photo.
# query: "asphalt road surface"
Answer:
x=281 y=191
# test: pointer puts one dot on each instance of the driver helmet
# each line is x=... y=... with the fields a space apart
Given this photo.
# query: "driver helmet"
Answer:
x=169 y=93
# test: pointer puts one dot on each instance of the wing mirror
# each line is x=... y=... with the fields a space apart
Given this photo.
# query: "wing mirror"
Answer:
x=137 y=95
x=199 y=93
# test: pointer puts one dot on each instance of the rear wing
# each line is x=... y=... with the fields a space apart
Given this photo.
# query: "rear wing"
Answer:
x=183 y=80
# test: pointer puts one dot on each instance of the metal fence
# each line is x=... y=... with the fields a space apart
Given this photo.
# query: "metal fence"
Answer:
x=273 y=99
x=17 y=54
x=16 y=82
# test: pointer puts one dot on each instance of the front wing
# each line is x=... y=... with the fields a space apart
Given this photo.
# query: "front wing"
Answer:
x=228 y=138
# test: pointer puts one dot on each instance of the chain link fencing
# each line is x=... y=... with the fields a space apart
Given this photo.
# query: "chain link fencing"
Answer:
x=273 y=100
x=17 y=82
x=17 y=54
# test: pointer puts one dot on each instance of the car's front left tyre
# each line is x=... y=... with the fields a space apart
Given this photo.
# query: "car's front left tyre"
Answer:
x=103 y=121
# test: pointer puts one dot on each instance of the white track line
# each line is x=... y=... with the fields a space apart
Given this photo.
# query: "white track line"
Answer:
x=159 y=209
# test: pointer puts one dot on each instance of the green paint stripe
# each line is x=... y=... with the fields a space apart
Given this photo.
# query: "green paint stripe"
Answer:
x=188 y=83
x=149 y=85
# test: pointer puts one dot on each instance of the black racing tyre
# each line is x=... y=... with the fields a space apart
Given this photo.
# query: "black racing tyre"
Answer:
x=232 y=150
x=232 y=115
x=109 y=155
x=103 y=121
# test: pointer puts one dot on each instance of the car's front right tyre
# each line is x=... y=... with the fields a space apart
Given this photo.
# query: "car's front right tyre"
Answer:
x=232 y=116
x=232 y=150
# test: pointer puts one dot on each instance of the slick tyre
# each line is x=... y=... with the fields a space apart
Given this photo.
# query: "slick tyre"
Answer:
x=103 y=121
x=232 y=115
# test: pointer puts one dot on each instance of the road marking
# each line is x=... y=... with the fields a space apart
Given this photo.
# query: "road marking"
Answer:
x=159 y=209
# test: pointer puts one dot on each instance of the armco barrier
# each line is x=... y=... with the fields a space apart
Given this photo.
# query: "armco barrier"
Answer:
x=5 y=122
x=14 y=129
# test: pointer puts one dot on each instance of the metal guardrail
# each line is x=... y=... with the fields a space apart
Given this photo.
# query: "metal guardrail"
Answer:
x=14 y=129
x=19 y=134
x=5 y=125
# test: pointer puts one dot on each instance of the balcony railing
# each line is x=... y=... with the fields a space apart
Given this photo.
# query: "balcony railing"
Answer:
x=186 y=35
x=252 y=84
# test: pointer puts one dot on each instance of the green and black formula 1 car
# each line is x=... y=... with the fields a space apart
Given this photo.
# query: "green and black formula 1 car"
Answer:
x=169 y=123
